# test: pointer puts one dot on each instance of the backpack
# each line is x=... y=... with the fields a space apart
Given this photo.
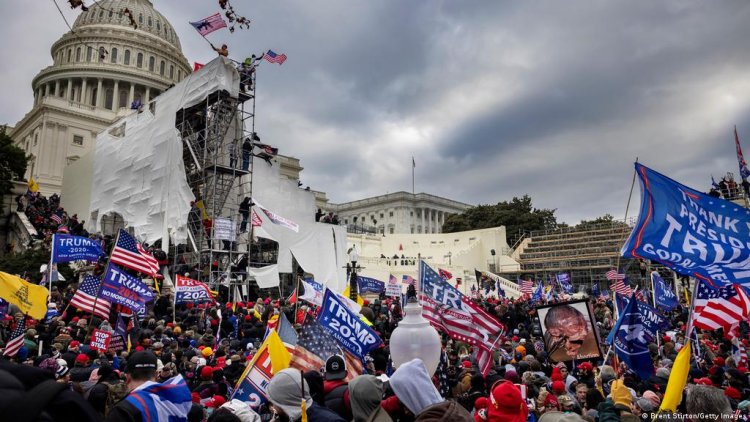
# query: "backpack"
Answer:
x=115 y=393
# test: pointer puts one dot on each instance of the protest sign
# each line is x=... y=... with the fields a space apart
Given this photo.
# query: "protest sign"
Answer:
x=346 y=326
x=393 y=288
x=100 y=340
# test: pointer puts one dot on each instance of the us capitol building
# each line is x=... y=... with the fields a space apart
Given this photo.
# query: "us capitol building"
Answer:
x=96 y=74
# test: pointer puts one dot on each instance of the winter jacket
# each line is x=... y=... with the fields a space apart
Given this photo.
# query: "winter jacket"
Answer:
x=448 y=410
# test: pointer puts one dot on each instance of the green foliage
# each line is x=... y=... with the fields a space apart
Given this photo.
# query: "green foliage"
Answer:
x=517 y=215
x=12 y=163
x=607 y=220
x=28 y=263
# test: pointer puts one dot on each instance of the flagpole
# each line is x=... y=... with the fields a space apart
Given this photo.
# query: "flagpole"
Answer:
x=101 y=286
x=653 y=302
x=49 y=271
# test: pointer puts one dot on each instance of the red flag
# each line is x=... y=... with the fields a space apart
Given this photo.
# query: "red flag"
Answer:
x=445 y=274
x=197 y=66
x=292 y=299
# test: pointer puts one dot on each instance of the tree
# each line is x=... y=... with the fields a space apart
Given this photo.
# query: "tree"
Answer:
x=29 y=261
x=12 y=163
x=517 y=215
x=607 y=220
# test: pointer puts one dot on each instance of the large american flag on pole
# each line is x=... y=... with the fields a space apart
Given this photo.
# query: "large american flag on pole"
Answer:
x=130 y=254
x=462 y=320
x=315 y=346
x=16 y=339
x=717 y=307
x=85 y=298
x=209 y=24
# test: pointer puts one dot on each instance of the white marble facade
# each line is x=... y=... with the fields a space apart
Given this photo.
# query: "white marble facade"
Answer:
x=95 y=76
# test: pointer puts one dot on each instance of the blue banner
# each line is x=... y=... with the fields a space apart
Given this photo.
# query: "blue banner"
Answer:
x=66 y=248
x=564 y=280
x=691 y=233
x=346 y=327
x=653 y=321
x=664 y=296
x=595 y=290
x=537 y=297
x=122 y=288
x=370 y=285
x=191 y=291
x=631 y=341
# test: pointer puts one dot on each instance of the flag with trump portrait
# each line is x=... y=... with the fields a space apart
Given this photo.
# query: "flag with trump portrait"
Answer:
x=690 y=232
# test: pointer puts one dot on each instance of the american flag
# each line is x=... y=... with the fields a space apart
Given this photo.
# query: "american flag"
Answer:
x=129 y=253
x=462 y=326
x=720 y=307
x=209 y=24
x=614 y=275
x=16 y=339
x=272 y=57
x=85 y=298
x=255 y=220
x=315 y=346
x=56 y=218
x=407 y=279
x=526 y=287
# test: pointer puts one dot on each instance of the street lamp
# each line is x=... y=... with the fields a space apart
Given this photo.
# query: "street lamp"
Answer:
x=449 y=255
x=415 y=337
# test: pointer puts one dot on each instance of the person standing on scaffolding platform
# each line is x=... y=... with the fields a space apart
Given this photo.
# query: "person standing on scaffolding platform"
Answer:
x=246 y=70
x=223 y=51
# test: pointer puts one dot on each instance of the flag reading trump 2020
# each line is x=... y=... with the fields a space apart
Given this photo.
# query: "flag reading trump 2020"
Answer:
x=191 y=291
x=121 y=288
x=690 y=232
x=346 y=327
x=370 y=285
x=66 y=248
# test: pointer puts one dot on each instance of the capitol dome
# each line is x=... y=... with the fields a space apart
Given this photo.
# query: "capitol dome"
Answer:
x=107 y=63
x=99 y=71
x=109 y=12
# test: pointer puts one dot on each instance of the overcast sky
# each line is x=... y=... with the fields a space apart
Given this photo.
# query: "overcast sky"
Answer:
x=494 y=99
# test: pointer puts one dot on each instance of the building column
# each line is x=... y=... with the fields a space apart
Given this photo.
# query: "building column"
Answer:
x=82 y=96
x=36 y=96
x=131 y=97
x=57 y=88
x=116 y=96
x=69 y=94
x=148 y=95
x=46 y=89
x=421 y=212
x=98 y=99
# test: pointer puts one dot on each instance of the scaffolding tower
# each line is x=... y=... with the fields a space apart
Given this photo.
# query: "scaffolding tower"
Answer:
x=218 y=166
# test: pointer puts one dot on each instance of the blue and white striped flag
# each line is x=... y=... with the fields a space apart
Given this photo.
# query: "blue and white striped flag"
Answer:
x=167 y=401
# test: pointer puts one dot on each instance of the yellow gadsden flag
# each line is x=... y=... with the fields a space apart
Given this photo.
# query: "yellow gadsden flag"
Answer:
x=33 y=187
x=30 y=298
x=677 y=380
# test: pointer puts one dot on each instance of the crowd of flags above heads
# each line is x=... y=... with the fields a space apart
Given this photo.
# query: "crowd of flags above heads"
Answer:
x=215 y=22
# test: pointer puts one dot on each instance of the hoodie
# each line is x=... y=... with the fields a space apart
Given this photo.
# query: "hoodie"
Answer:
x=365 y=392
x=413 y=386
x=287 y=389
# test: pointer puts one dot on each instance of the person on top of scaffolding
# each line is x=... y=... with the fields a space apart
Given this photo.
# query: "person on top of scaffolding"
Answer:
x=246 y=70
x=223 y=51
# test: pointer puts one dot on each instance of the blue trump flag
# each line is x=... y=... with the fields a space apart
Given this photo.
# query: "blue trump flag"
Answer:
x=66 y=248
x=595 y=290
x=371 y=285
x=537 y=297
x=653 y=321
x=122 y=288
x=563 y=279
x=664 y=296
x=631 y=341
x=346 y=327
x=690 y=232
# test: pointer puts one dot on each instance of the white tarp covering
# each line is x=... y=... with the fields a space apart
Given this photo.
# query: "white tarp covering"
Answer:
x=140 y=175
x=266 y=277
x=319 y=248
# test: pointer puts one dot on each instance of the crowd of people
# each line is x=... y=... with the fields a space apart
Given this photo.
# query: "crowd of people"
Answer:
x=48 y=216
x=211 y=353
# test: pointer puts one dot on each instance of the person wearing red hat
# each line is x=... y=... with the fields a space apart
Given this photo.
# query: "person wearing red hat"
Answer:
x=506 y=404
x=480 y=409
